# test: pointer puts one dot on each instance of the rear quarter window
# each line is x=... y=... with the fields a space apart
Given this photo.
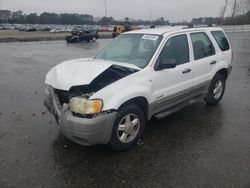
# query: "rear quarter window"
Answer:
x=221 y=39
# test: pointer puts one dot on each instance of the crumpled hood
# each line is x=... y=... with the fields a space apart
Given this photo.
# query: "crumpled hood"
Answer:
x=77 y=72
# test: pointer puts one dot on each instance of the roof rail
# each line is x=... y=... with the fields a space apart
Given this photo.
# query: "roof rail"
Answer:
x=192 y=26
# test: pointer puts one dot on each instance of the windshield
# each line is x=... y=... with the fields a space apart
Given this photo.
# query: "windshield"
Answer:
x=136 y=49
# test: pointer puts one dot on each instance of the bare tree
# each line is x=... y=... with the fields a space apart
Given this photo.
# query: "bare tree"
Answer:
x=247 y=5
x=234 y=8
x=221 y=13
x=241 y=7
x=224 y=9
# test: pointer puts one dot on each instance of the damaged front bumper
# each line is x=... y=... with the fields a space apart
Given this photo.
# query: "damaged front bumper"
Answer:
x=85 y=131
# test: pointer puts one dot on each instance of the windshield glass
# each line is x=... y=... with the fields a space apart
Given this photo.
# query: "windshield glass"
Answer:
x=135 y=49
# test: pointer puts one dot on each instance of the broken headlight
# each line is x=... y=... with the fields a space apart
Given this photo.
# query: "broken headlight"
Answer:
x=85 y=106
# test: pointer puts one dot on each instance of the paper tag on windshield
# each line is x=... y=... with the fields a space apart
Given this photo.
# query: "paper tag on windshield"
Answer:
x=150 y=37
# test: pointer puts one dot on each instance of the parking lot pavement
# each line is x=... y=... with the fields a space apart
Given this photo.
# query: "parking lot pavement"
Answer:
x=21 y=36
x=199 y=146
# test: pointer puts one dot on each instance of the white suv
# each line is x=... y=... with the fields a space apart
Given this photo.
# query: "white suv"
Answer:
x=139 y=75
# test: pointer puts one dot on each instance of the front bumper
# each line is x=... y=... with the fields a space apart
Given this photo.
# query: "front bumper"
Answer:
x=229 y=69
x=85 y=131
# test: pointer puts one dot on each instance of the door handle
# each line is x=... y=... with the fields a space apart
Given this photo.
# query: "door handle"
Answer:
x=186 y=71
x=213 y=62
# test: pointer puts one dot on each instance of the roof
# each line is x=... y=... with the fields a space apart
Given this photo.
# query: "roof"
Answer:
x=169 y=29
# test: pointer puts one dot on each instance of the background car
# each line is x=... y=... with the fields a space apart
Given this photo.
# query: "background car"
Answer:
x=87 y=34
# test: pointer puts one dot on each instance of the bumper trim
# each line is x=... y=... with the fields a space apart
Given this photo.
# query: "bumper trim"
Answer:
x=85 y=131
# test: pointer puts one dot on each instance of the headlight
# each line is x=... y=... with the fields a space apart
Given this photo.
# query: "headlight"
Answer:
x=84 y=106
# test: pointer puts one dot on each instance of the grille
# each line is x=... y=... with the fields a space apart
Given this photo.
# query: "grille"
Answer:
x=63 y=96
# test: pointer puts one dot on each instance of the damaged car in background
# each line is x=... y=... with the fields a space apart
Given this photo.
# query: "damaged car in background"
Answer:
x=139 y=75
x=79 y=34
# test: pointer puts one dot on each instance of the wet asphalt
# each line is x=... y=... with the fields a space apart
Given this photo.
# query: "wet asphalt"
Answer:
x=199 y=146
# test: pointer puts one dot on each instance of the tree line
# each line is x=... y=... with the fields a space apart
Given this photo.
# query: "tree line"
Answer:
x=234 y=12
x=236 y=20
x=19 y=17
x=49 y=18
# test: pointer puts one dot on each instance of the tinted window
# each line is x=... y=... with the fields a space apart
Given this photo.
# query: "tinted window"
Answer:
x=221 y=40
x=176 y=49
x=202 y=45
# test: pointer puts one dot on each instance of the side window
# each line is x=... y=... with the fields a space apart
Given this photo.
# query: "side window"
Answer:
x=221 y=40
x=202 y=45
x=176 y=49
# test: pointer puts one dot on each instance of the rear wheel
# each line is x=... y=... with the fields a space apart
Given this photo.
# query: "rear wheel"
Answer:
x=74 y=40
x=128 y=128
x=217 y=89
x=68 y=39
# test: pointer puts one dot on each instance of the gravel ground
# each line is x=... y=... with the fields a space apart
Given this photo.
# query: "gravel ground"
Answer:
x=199 y=146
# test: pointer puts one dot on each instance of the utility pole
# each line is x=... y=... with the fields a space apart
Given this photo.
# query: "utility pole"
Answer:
x=150 y=17
x=105 y=8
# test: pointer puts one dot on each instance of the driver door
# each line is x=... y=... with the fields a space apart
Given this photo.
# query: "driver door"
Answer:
x=172 y=86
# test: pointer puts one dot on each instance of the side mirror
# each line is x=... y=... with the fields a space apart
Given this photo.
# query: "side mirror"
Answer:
x=167 y=64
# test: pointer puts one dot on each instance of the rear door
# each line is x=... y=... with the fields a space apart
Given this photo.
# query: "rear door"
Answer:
x=225 y=50
x=204 y=59
x=174 y=85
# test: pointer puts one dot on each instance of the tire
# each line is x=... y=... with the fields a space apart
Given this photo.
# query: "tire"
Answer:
x=68 y=39
x=93 y=39
x=74 y=40
x=216 y=90
x=124 y=135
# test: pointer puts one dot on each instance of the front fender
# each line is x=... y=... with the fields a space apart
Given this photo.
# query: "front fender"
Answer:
x=136 y=85
x=114 y=97
x=119 y=98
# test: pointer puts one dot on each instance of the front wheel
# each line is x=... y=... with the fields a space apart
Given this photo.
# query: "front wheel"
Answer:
x=93 y=39
x=216 y=90
x=128 y=128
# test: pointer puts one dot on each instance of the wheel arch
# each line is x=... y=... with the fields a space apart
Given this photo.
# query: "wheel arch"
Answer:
x=223 y=72
x=142 y=102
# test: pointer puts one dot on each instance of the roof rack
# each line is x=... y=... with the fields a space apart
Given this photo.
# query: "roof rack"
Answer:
x=192 y=26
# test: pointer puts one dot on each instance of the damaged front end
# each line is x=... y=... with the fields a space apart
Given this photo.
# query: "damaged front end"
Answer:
x=107 y=77
x=48 y=102
x=73 y=108
x=112 y=74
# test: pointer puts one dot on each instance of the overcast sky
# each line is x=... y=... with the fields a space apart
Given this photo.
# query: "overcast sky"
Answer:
x=173 y=10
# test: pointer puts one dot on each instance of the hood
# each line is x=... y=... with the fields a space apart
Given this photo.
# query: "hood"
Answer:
x=78 y=72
